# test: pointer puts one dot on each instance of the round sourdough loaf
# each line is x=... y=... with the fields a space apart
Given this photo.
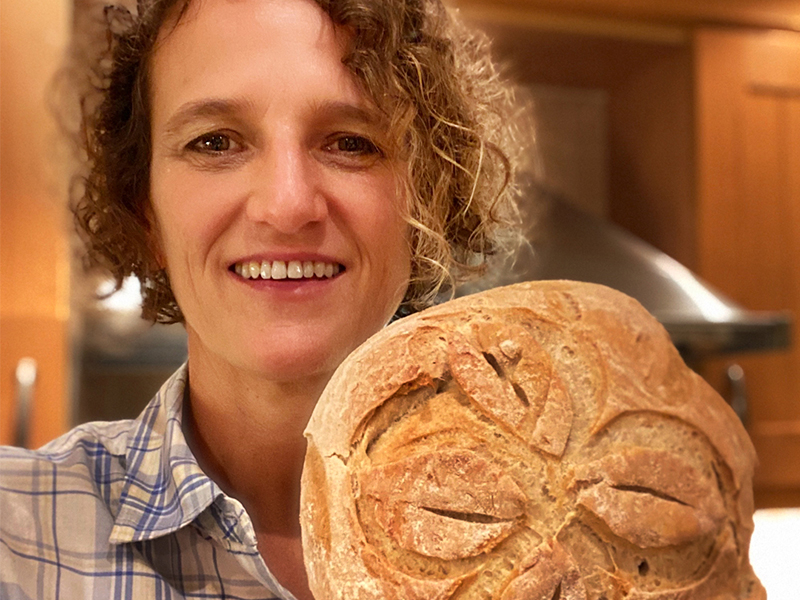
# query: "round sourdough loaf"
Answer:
x=535 y=442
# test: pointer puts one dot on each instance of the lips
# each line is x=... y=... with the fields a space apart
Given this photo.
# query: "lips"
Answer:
x=292 y=269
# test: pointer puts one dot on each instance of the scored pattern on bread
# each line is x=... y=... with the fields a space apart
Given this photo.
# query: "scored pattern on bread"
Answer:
x=542 y=441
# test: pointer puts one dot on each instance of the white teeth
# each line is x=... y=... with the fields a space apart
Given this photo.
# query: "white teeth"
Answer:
x=279 y=269
x=294 y=270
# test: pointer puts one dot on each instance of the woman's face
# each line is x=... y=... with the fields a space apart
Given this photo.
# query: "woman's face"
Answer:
x=267 y=158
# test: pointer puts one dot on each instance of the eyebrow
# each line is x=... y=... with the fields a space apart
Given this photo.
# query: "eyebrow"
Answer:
x=333 y=110
x=205 y=108
x=336 y=110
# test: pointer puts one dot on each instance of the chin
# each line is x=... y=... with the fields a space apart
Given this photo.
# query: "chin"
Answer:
x=298 y=360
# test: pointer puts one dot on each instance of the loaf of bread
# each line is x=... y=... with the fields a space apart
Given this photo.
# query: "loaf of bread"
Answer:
x=541 y=441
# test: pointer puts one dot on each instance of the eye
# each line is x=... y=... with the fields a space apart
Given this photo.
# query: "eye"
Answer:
x=355 y=145
x=213 y=143
x=358 y=145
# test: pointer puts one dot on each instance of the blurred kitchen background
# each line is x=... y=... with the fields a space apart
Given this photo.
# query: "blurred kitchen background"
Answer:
x=672 y=125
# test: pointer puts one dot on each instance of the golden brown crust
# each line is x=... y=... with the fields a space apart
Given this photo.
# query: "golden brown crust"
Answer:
x=543 y=435
x=549 y=573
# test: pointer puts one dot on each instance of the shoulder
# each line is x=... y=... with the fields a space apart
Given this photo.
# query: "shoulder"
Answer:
x=81 y=470
x=82 y=447
x=61 y=502
x=89 y=460
x=61 y=497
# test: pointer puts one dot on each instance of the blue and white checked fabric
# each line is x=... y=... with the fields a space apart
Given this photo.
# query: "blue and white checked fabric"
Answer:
x=122 y=510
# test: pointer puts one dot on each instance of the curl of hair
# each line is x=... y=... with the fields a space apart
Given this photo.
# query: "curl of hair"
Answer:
x=451 y=122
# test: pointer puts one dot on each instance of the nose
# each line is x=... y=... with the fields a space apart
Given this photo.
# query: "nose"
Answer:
x=285 y=193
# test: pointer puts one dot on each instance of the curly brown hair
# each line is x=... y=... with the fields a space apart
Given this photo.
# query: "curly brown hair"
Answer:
x=449 y=111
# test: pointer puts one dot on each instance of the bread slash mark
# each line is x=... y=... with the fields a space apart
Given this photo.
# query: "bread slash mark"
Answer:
x=466 y=516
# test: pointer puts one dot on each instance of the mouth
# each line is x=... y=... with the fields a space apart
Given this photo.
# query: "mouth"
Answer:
x=292 y=269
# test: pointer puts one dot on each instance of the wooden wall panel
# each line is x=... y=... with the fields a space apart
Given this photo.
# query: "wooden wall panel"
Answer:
x=775 y=14
x=651 y=122
x=34 y=255
x=652 y=181
x=748 y=225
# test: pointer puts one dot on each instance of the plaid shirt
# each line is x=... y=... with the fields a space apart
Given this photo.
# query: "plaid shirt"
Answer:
x=122 y=510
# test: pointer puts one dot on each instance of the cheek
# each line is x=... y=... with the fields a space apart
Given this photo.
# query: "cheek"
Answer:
x=370 y=211
x=390 y=238
x=381 y=222
x=190 y=208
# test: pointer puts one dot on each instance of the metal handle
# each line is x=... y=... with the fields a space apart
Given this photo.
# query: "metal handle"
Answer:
x=738 y=391
x=25 y=376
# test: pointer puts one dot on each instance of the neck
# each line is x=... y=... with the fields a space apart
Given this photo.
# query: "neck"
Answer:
x=247 y=435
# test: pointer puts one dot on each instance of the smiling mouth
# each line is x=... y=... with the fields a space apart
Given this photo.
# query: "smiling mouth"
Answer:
x=293 y=269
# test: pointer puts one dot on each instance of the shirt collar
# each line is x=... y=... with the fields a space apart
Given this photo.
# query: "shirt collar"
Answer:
x=164 y=487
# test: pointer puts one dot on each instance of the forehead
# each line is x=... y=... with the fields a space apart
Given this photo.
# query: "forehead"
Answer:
x=249 y=49
x=282 y=14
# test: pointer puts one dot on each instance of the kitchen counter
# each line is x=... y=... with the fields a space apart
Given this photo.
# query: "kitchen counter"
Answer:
x=775 y=552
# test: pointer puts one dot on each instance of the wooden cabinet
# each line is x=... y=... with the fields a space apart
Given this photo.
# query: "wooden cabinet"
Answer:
x=748 y=221
x=650 y=133
x=765 y=14
x=703 y=158
x=34 y=255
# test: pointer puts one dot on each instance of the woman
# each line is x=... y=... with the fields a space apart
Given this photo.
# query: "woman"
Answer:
x=281 y=175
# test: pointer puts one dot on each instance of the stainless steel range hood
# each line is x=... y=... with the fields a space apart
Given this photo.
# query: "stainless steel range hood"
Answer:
x=566 y=243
